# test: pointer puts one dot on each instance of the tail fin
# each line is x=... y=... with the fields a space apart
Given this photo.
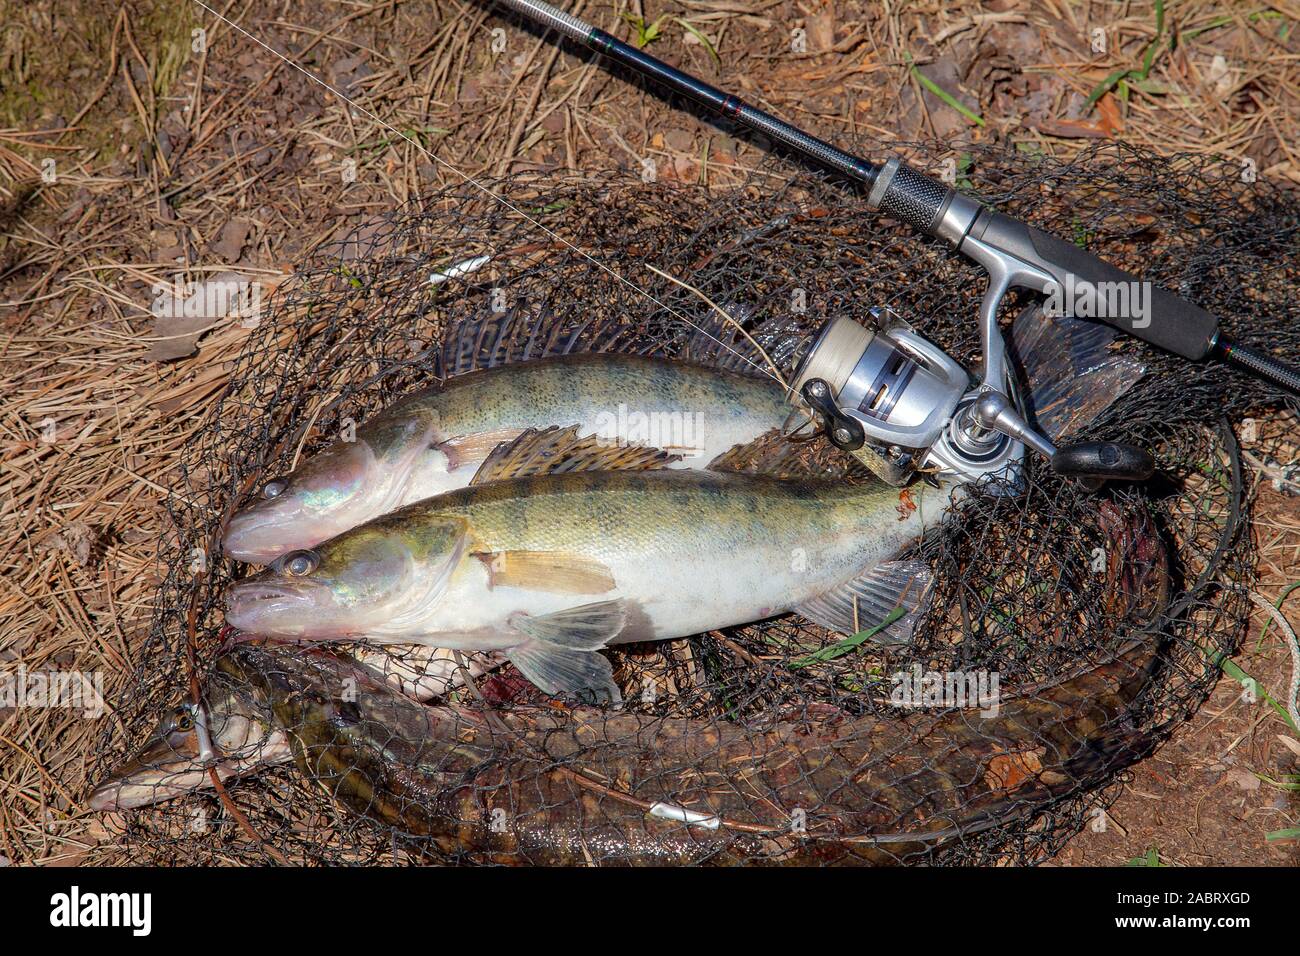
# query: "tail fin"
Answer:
x=1072 y=372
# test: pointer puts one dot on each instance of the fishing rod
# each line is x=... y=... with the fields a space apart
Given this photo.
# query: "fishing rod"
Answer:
x=890 y=395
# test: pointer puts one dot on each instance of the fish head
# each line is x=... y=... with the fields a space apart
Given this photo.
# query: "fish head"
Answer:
x=325 y=495
x=373 y=579
x=170 y=763
x=167 y=765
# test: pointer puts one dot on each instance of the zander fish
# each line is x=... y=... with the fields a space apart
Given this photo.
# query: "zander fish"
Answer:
x=548 y=568
x=434 y=441
x=548 y=563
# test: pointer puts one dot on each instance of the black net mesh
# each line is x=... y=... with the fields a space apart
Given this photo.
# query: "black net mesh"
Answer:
x=1102 y=616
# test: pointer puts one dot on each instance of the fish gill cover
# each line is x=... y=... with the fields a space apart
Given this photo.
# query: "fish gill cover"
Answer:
x=1101 y=617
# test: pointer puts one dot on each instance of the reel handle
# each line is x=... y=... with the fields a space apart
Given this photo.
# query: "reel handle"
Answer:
x=844 y=433
x=1091 y=463
x=1097 y=461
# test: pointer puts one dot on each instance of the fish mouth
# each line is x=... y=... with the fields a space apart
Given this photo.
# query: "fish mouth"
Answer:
x=171 y=767
x=163 y=769
x=259 y=535
x=256 y=606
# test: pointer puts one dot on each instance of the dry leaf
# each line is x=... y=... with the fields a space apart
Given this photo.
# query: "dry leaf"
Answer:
x=821 y=31
x=1071 y=129
x=1244 y=779
x=78 y=540
x=1108 y=107
x=230 y=243
x=178 y=323
x=1008 y=771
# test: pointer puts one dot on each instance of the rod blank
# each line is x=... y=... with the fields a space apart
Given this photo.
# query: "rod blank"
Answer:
x=726 y=104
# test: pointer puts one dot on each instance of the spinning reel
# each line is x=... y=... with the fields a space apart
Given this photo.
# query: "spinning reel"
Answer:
x=901 y=405
x=889 y=396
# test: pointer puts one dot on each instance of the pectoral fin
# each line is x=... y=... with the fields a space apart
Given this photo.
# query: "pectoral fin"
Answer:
x=867 y=601
x=561 y=651
x=556 y=571
x=464 y=449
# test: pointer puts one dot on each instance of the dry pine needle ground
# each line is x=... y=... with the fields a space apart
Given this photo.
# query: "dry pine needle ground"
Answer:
x=200 y=159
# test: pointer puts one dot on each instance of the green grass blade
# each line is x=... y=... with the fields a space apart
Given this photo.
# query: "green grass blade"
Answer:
x=944 y=95
x=1105 y=86
x=1150 y=858
x=1241 y=677
x=839 y=649
x=704 y=41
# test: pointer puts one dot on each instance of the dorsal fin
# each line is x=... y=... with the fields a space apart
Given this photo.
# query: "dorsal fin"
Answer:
x=1070 y=367
x=730 y=343
x=555 y=450
x=530 y=331
x=771 y=453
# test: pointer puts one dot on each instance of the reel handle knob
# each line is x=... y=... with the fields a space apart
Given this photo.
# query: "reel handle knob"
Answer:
x=1098 y=461
x=1091 y=463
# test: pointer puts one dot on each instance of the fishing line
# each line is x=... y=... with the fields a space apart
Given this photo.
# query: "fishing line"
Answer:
x=487 y=192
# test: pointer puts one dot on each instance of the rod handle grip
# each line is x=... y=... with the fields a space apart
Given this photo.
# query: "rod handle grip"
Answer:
x=1150 y=313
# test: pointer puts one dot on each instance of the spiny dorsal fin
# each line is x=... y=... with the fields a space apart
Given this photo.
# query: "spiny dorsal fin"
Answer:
x=554 y=450
x=729 y=343
x=530 y=331
x=780 y=457
x=1071 y=371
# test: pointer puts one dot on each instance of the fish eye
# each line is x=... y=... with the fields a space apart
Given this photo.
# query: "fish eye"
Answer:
x=300 y=563
x=274 y=488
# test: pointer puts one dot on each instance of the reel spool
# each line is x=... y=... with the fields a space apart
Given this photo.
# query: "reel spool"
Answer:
x=885 y=395
x=900 y=404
